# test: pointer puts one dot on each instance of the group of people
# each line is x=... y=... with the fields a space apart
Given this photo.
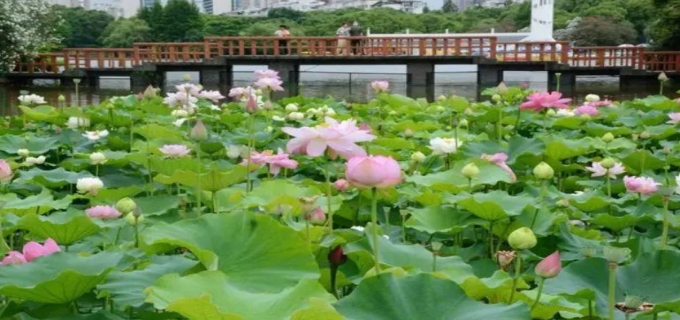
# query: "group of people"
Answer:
x=344 y=45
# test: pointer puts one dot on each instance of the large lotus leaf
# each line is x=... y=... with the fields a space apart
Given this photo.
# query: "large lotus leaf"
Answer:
x=496 y=205
x=51 y=178
x=157 y=205
x=169 y=166
x=434 y=219
x=41 y=113
x=101 y=315
x=35 y=145
x=423 y=296
x=588 y=201
x=212 y=180
x=247 y=247
x=652 y=276
x=38 y=204
x=642 y=160
x=454 y=180
x=64 y=227
x=127 y=288
x=56 y=278
x=274 y=193
x=214 y=295
x=154 y=131
x=112 y=195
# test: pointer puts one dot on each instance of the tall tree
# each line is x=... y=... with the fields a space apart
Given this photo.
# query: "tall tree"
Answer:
x=181 y=22
x=665 y=30
x=26 y=27
x=449 y=6
x=82 y=28
x=123 y=33
x=603 y=31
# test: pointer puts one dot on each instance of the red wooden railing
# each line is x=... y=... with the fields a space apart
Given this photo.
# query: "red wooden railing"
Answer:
x=395 y=46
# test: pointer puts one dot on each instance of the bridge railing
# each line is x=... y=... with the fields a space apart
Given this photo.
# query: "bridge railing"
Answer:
x=41 y=63
x=533 y=51
x=601 y=57
x=667 y=61
x=98 y=58
x=146 y=52
x=350 y=46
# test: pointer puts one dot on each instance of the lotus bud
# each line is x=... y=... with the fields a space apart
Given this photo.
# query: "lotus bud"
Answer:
x=439 y=109
x=97 y=158
x=251 y=104
x=463 y=123
x=316 y=217
x=549 y=267
x=544 y=171
x=418 y=157
x=592 y=98
x=408 y=132
x=496 y=97
x=23 y=152
x=470 y=170
x=199 y=131
x=442 y=98
x=436 y=246
x=61 y=98
x=588 y=252
x=644 y=135
x=134 y=219
x=341 y=185
x=663 y=77
x=126 y=205
x=616 y=255
x=468 y=111
x=337 y=257
x=608 y=137
x=634 y=137
x=291 y=107
x=563 y=203
x=297 y=116
x=522 y=238
x=550 y=113
x=608 y=163
x=505 y=258
x=633 y=302
x=186 y=77
x=502 y=88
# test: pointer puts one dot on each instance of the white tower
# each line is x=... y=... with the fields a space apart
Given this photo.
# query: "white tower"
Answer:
x=542 y=13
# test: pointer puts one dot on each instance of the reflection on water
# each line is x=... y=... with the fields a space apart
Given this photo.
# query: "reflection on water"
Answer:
x=339 y=85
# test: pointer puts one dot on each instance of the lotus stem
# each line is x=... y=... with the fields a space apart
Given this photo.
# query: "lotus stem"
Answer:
x=329 y=194
x=499 y=125
x=518 y=121
x=374 y=230
x=557 y=78
x=200 y=165
x=491 y=247
x=251 y=144
x=136 y=232
x=612 y=289
x=515 y=279
x=538 y=296
x=664 y=233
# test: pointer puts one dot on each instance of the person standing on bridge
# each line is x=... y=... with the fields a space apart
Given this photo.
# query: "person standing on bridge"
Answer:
x=342 y=33
x=283 y=43
x=355 y=31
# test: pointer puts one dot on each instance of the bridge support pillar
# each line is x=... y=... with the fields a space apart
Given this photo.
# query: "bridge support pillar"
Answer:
x=567 y=82
x=420 y=80
x=216 y=78
x=290 y=75
x=627 y=83
x=488 y=76
x=140 y=80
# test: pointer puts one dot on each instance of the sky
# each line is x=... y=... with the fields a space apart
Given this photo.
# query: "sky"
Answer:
x=434 y=4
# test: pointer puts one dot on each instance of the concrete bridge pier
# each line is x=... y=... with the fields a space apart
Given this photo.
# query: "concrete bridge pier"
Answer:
x=420 y=80
x=567 y=81
x=488 y=76
x=289 y=72
x=216 y=78
x=635 y=82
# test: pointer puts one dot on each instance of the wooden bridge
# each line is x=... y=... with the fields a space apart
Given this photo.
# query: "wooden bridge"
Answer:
x=215 y=56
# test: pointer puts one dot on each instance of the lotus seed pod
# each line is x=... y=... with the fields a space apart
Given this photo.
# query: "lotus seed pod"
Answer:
x=522 y=238
x=496 y=97
x=418 y=157
x=550 y=113
x=544 y=171
x=616 y=255
x=608 y=163
x=408 y=132
x=505 y=258
x=470 y=170
x=663 y=77
x=126 y=205
x=608 y=137
x=61 y=98
x=633 y=302
x=463 y=123
x=131 y=219
x=502 y=88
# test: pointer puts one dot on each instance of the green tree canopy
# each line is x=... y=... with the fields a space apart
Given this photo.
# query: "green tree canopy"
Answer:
x=449 y=6
x=603 y=31
x=123 y=33
x=83 y=28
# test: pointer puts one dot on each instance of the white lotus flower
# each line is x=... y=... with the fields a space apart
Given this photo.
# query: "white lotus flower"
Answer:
x=23 y=152
x=97 y=158
x=445 y=145
x=180 y=113
x=77 y=122
x=291 y=107
x=89 y=185
x=297 y=116
x=592 y=98
x=95 y=135
x=279 y=119
x=33 y=161
x=179 y=122
x=32 y=100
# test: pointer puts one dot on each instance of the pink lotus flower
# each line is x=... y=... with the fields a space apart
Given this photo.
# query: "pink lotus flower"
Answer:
x=5 y=171
x=241 y=93
x=316 y=217
x=550 y=266
x=189 y=89
x=251 y=104
x=271 y=84
x=267 y=73
x=373 y=172
x=641 y=185
x=214 y=96
x=31 y=251
x=675 y=118
x=103 y=212
x=538 y=101
x=340 y=137
x=275 y=161
x=366 y=127
x=380 y=86
x=587 y=109
x=341 y=185
x=597 y=104
x=175 y=150
x=599 y=171
x=499 y=159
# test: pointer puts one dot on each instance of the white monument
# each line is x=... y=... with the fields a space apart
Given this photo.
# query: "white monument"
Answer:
x=542 y=13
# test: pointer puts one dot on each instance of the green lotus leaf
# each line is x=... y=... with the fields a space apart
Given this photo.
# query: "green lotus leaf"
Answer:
x=387 y=297
x=588 y=201
x=51 y=178
x=41 y=113
x=595 y=129
x=496 y=205
x=398 y=101
x=169 y=166
x=157 y=205
x=111 y=195
x=213 y=295
x=65 y=227
x=394 y=143
x=246 y=247
x=154 y=131
x=616 y=223
x=642 y=159
x=38 y=204
x=436 y=219
x=35 y=145
x=56 y=278
x=127 y=287
x=568 y=122
x=274 y=193
x=561 y=148
x=454 y=180
x=209 y=181
x=616 y=144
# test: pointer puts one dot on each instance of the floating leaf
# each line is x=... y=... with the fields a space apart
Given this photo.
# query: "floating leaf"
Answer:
x=64 y=227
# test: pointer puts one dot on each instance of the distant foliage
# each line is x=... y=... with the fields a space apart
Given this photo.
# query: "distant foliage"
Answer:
x=603 y=31
x=449 y=6
x=26 y=27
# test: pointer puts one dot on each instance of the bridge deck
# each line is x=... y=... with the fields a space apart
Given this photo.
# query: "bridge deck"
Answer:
x=358 y=50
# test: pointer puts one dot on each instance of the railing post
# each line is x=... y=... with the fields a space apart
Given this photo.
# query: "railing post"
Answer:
x=207 y=53
x=566 y=48
x=493 y=42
